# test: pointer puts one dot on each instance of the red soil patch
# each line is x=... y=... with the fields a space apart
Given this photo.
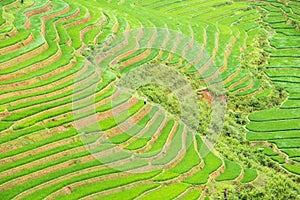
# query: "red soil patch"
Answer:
x=68 y=190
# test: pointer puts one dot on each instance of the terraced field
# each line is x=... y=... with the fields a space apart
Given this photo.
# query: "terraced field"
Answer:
x=69 y=131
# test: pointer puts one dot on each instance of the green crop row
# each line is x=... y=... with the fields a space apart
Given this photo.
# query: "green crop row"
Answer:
x=131 y=193
x=249 y=175
x=17 y=134
x=168 y=192
x=146 y=137
x=282 y=125
x=5 y=125
x=193 y=194
x=174 y=148
x=211 y=164
x=153 y=54
x=108 y=184
x=22 y=35
x=115 y=120
x=232 y=171
x=20 y=115
x=287 y=143
x=139 y=126
x=274 y=114
x=292 y=152
x=66 y=59
x=190 y=160
x=272 y=135
x=79 y=66
x=51 y=163
x=57 y=137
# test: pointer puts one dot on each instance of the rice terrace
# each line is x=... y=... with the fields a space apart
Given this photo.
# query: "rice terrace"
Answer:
x=149 y=99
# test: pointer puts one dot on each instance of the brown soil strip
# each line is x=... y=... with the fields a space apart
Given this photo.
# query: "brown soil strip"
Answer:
x=147 y=192
x=238 y=82
x=24 y=140
x=32 y=152
x=37 y=11
x=52 y=15
x=154 y=138
x=44 y=172
x=24 y=57
x=115 y=27
x=17 y=46
x=39 y=65
x=45 y=87
x=130 y=122
x=218 y=172
x=241 y=176
x=47 y=111
x=60 y=179
x=143 y=131
x=161 y=154
x=99 y=23
x=248 y=87
x=79 y=22
x=227 y=53
x=44 y=95
x=231 y=77
x=178 y=39
x=129 y=52
x=180 y=154
x=36 y=151
x=141 y=56
x=164 y=44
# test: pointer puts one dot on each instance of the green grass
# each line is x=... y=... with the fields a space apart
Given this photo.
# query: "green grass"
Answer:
x=211 y=164
x=131 y=193
x=115 y=120
x=161 y=140
x=192 y=194
x=283 y=125
x=287 y=143
x=168 y=192
x=191 y=158
x=249 y=175
x=292 y=152
x=139 y=126
x=146 y=137
x=231 y=172
x=278 y=159
x=292 y=168
x=174 y=148
x=105 y=185
x=57 y=137
x=272 y=135
x=5 y=125
x=167 y=175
